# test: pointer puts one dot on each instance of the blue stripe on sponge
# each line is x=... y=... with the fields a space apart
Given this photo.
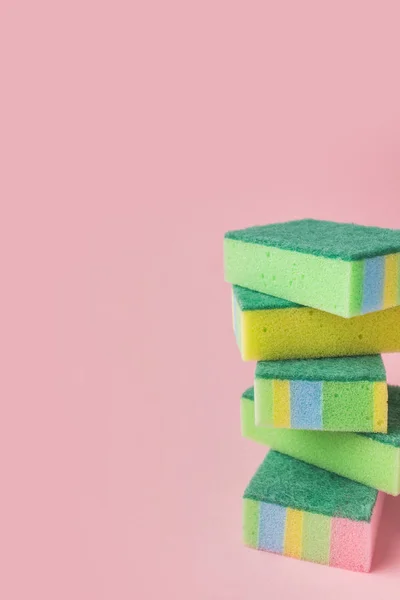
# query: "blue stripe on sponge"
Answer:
x=306 y=404
x=271 y=528
x=374 y=278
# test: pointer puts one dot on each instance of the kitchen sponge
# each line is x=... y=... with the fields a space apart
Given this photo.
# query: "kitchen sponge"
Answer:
x=341 y=268
x=270 y=328
x=333 y=394
x=369 y=458
x=298 y=510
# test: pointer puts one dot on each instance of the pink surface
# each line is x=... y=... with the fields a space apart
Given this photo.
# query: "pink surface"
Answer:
x=133 y=134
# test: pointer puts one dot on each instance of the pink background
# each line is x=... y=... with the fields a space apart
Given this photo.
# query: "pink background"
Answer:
x=132 y=135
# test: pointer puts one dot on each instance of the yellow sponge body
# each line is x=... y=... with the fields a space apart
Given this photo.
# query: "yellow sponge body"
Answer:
x=301 y=332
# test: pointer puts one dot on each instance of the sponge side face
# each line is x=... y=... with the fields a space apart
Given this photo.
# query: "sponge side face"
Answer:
x=356 y=456
x=299 y=332
x=323 y=537
x=308 y=536
x=321 y=405
x=342 y=287
x=300 y=278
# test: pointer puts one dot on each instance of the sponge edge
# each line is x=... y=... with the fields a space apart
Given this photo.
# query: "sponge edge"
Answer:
x=323 y=537
x=344 y=269
x=316 y=284
x=331 y=394
x=369 y=458
x=353 y=542
x=321 y=405
x=332 y=541
x=300 y=332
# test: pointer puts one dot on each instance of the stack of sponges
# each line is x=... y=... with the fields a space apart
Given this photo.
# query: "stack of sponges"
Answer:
x=315 y=303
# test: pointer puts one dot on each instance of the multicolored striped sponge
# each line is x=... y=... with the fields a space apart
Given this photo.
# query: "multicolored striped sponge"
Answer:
x=333 y=394
x=369 y=458
x=298 y=510
x=341 y=268
x=269 y=328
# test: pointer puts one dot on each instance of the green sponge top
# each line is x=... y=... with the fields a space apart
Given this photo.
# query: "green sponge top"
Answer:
x=289 y=482
x=344 y=368
x=346 y=241
x=392 y=437
x=249 y=300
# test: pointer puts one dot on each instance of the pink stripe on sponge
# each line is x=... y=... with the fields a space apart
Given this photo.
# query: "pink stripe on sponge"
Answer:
x=352 y=542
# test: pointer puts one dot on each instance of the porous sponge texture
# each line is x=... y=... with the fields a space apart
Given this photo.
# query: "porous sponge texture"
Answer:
x=295 y=509
x=318 y=264
x=300 y=332
x=301 y=278
x=369 y=458
x=334 y=394
x=323 y=405
x=392 y=437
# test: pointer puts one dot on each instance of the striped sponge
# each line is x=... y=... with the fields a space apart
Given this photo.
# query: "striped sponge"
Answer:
x=298 y=510
x=340 y=268
x=334 y=394
x=369 y=458
x=269 y=328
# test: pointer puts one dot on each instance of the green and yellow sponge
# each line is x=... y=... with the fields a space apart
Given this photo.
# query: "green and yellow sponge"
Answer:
x=269 y=328
x=369 y=458
x=298 y=510
x=332 y=394
x=340 y=268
